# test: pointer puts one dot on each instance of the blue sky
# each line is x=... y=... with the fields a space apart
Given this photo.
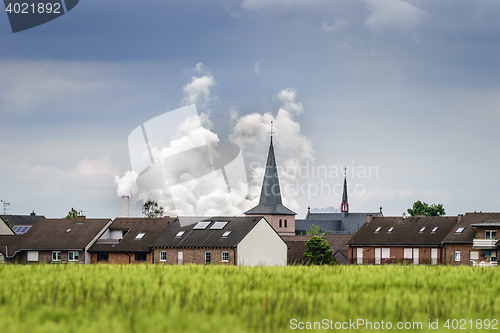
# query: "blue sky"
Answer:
x=409 y=87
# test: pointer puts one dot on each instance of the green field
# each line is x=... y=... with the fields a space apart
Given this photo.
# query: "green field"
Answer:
x=154 y=298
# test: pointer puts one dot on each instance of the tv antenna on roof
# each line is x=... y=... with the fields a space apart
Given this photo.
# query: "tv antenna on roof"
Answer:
x=5 y=204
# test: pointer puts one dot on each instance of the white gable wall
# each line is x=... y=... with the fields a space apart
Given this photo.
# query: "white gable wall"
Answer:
x=262 y=247
x=4 y=229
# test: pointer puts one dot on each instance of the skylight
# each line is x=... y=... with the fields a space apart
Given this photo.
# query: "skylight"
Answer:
x=434 y=229
x=218 y=225
x=422 y=229
x=390 y=229
x=202 y=225
x=225 y=234
x=378 y=229
x=140 y=235
x=68 y=230
x=460 y=230
x=180 y=233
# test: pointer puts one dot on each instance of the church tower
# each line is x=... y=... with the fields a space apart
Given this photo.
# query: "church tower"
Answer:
x=344 y=206
x=270 y=205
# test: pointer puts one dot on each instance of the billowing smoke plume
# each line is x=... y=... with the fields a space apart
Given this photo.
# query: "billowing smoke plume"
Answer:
x=210 y=193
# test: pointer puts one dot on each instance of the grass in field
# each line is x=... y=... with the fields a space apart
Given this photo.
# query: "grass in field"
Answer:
x=154 y=298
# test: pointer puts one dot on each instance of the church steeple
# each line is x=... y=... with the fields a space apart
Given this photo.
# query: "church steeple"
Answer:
x=270 y=194
x=344 y=206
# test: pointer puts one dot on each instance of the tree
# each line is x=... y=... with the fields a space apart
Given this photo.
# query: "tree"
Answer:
x=318 y=251
x=314 y=230
x=152 y=209
x=72 y=214
x=422 y=208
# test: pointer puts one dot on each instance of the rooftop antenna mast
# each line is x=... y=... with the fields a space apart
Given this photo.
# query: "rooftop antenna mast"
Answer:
x=5 y=204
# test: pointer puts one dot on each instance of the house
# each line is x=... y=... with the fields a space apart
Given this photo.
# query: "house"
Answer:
x=55 y=241
x=242 y=241
x=21 y=223
x=297 y=247
x=474 y=239
x=344 y=222
x=410 y=240
x=127 y=240
x=270 y=204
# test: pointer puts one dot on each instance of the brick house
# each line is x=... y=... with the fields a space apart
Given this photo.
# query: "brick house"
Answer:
x=411 y=240
x=55 y=241
x=473 y=240
x=127 y=240
x=243 y=241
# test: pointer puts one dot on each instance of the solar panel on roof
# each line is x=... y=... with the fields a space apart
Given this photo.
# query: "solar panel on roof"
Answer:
x=202 y=225
x=21 y=229
x=218 y=225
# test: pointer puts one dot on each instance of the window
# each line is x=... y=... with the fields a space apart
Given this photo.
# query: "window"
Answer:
x=218 y=225
x=474 y=255
x=102 y=256
x=140 y=235
x=281 y=224
x=386 y=253
x=490 y=234
x=73 y=255
x=225 y=256
x=56 y=255
x=179 y=234
x=163 y=255
x=202 y=225
x=390 y=229
x=32 y=255
x=378 y=229
x=207 y=258
x=460 y=230
x=180 y=258
x=226 y=233
x=141 y=256
x=434 y=229
x=285 y=223
x=422 y=229
x=408 y=254
x=457 y=255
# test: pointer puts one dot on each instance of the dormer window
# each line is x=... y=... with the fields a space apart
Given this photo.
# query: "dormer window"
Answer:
x=490 y=234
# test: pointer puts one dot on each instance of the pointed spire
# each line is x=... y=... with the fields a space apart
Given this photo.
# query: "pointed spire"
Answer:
x=344 y=206
x=270 y=194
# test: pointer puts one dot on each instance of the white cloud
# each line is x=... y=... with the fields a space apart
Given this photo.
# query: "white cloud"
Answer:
x=337 y=23
x=393 y=15
x=256 y=66
x=287 y=97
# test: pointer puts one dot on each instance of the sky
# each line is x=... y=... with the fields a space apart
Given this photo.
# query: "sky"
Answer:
x=405 y=94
